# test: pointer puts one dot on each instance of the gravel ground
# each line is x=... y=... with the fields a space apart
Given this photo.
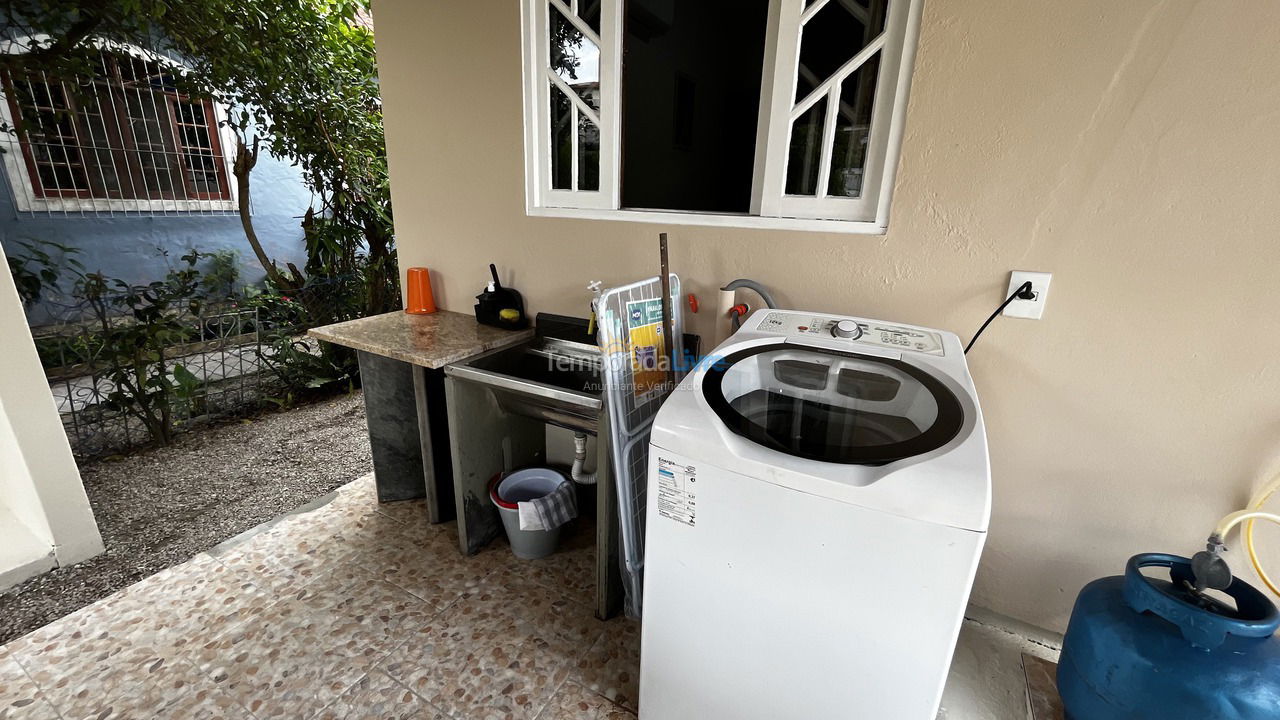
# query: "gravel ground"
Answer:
x=158 y=508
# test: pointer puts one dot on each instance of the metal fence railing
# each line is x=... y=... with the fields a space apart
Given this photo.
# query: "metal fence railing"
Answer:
x=213 y=368
x=119 y=384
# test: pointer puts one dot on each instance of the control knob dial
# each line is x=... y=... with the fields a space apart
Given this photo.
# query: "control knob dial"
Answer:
x=847 y=329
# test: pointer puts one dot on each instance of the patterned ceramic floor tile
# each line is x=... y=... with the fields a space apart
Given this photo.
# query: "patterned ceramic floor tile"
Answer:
x=574 y=702
x=307 y=614
x=546 y=610
x=255 y=559
x=275 y=671
x=362 y=489
x=570 y=570
x=434 y=571
x=377 y=695
x=406 y=511
x=88 y=655
x=612 y=667
x=289 y=555
x=293 y=553
x=308 y=548
x=366 y=617
x=282 y=556
x=371 y=531
x=199 y=598
x=304 y=651
x=479 y=669
x=20 y=698
x=173 y=691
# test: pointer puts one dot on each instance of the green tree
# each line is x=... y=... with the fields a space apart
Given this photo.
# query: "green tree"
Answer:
x=301 y=77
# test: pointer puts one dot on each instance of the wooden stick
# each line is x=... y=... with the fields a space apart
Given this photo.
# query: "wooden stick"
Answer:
x=668 y=342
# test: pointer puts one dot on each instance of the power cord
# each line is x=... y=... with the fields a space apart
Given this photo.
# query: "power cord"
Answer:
x=1023 y=292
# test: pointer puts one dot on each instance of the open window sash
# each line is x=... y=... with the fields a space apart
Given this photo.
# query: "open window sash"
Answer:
x=796 y=130
x=572 y=120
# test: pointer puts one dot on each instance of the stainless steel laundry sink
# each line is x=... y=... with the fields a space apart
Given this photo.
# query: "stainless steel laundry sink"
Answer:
x=556 y=381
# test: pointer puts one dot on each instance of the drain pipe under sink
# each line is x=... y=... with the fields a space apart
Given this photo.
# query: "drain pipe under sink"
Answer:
x=579 y=458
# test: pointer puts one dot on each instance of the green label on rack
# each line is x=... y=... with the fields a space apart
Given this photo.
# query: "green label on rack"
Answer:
x=644 y=312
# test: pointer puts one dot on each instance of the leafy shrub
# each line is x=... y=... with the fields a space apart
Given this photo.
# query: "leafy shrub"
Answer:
x=221 y=275
x=137 y=324
x=39 y=267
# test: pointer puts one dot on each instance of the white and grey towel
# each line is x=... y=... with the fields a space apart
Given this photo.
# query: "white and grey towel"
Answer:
x=550 y=511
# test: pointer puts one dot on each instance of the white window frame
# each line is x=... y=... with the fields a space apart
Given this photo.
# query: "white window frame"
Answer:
x=18 y=174
x=538 y=80
x=770 y=207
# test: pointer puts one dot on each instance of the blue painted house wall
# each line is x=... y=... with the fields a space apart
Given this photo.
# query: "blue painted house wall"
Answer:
x=132 y=247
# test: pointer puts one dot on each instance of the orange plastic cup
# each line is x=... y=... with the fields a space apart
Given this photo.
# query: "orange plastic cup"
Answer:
x=418 y=282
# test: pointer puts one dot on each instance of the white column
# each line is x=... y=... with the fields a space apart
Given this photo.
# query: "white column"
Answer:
x=45 y=518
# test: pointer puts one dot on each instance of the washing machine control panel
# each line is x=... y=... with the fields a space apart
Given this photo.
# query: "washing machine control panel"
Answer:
x=868 y=333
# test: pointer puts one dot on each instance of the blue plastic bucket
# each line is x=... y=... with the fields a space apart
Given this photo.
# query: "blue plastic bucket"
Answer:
x=523 y=486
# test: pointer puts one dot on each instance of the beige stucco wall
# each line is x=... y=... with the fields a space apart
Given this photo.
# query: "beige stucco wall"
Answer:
x=1131 y=148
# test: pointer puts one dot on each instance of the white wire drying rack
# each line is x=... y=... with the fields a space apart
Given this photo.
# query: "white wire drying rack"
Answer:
x=632 y=406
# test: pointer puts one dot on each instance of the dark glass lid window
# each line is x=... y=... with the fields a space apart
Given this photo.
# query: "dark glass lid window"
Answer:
x=832 y=406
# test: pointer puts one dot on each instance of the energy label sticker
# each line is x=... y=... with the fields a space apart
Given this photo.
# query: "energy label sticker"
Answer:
x=677 y=491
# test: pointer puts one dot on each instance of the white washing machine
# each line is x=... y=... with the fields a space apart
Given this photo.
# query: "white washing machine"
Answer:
x=818 y=498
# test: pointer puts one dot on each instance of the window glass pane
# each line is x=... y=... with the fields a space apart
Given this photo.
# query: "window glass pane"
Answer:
x=589 y=11
x=156 y=175
x=853 y=125
x=573 y=56
x=833 y=36
x=56 y=177
x=153 y=137
x=805 y=152
x=102 y=171
x=95 y=144
x=132 y=70
x=50 y=133
x=122 y=133
x=144 y=120
x=561 y=140
x=576 y=60
x=202 y=174
x=200 y=166
x=588 y=154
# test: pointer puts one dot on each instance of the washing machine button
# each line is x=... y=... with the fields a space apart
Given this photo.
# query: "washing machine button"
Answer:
x=846 y=329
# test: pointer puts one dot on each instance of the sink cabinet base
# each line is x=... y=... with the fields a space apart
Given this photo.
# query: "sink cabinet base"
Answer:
x=487 y=440
x=408 y=433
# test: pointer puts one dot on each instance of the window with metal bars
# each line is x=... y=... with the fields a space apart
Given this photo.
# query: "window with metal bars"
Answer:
x=125 y=139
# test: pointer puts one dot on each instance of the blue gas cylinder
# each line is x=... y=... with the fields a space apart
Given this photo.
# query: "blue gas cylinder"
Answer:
x=1145 y=648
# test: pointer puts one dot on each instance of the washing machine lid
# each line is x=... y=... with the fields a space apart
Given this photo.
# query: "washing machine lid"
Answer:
x=832 y=405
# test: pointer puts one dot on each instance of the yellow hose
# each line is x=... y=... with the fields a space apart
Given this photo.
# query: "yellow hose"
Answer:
x=1250 y=516
x=1262 y=498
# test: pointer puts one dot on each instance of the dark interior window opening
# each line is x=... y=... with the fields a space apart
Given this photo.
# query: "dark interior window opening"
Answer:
x=691 y=75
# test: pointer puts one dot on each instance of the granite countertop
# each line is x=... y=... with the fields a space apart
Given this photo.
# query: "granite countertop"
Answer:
x=431 y=341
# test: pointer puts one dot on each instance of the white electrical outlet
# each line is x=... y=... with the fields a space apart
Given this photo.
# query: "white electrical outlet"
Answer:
x=1029 y=309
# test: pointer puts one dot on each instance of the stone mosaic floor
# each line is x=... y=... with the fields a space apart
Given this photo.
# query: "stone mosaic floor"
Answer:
x=349 y=610
x=353 y=610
